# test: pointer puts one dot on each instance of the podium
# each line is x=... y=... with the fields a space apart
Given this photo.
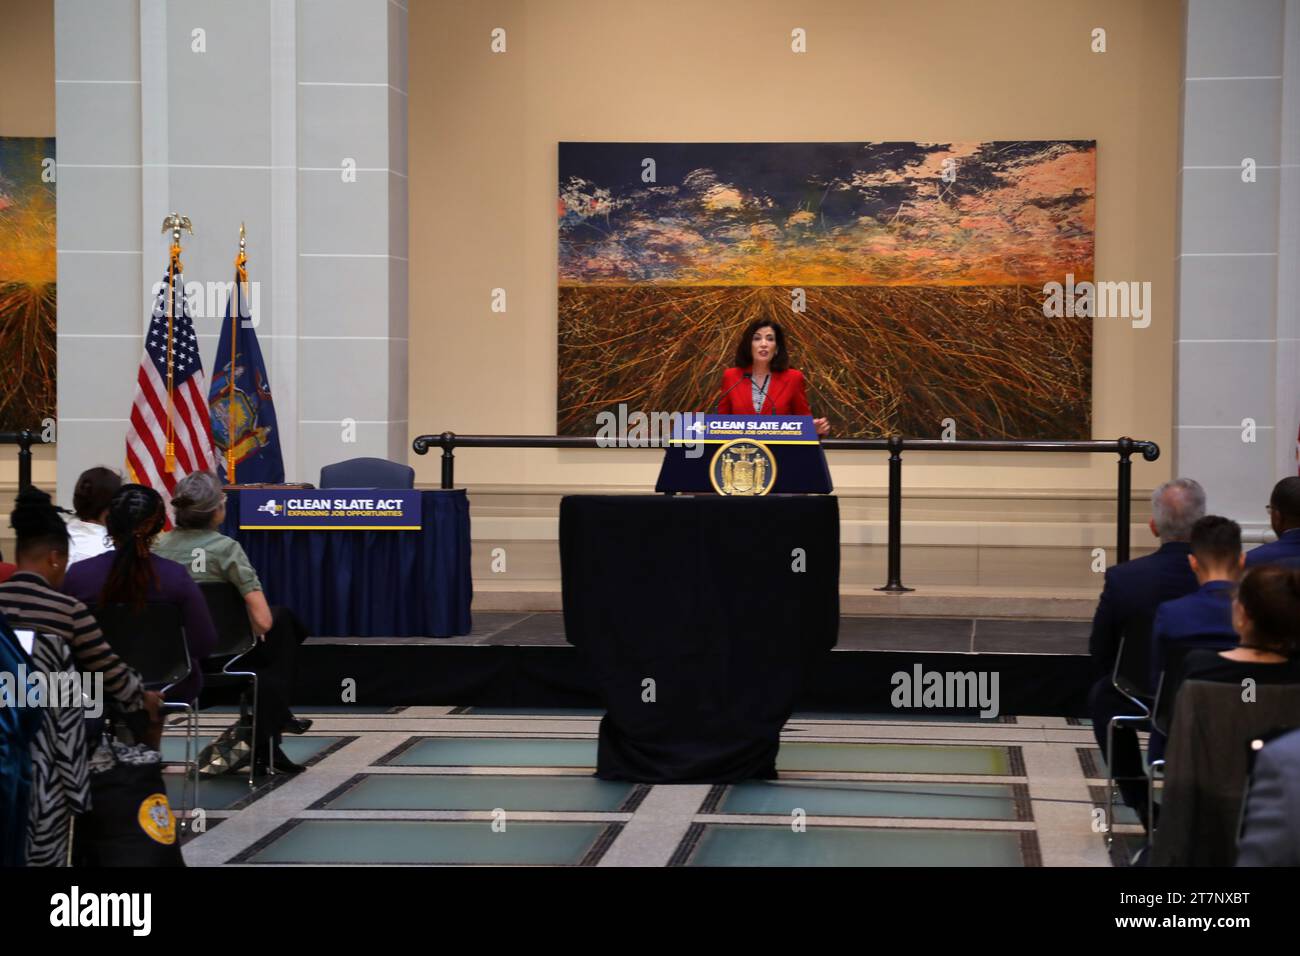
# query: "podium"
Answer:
x=791 y=439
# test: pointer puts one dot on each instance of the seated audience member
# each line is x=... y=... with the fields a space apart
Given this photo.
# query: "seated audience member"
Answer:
x=199 y=507
x=1271 y=833
x=95 y=488
x=131 y=574
x=29 y=599
x=1284 y=515
x=1266 y=616
x=1206 y=613
x=1130 y=596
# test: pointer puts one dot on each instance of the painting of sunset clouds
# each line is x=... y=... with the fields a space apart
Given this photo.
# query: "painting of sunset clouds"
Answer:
x=908 y=277
x=28 y=279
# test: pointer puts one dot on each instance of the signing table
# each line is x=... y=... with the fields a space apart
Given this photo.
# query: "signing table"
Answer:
x=346 y=582
x=697 y=618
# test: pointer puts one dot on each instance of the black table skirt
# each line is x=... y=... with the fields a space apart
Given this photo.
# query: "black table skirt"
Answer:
x=370 y=583
x=701 y=596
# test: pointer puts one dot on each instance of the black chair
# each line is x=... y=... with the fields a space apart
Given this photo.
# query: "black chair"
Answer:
x=1130 y=677
x=235 y=638
x=1162 y=712
x=152 y=640
x=1209 y=763
x=367 y=473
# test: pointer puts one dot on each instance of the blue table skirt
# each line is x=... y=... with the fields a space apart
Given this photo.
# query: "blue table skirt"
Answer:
x=370 y=583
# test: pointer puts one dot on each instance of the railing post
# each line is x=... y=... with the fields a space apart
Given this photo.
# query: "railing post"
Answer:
x=1123 y=504
x=448 y=442
x=895 y=544
x=25 y=460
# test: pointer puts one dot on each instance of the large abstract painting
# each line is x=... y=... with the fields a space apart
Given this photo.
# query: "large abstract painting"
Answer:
x=28 y=271
x=909 y=278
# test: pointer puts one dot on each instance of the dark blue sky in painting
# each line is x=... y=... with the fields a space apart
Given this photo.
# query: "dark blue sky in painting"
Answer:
x=872 y=208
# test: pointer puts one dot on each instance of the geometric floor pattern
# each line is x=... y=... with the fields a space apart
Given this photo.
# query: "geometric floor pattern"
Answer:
x=466 y=786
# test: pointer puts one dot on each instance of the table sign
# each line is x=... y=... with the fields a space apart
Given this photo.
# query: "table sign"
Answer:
x=329 y=509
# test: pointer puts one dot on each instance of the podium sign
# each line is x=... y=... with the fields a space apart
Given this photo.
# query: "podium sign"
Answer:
x=710 y=455
x=332 y=509
x=769 y=429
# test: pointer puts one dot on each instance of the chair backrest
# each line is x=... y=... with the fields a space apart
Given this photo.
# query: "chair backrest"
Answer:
x=1207 y=763
x=367 y=473
x=1132 y=675
x=152 y=640
x=1175 y=656
x=229 y=617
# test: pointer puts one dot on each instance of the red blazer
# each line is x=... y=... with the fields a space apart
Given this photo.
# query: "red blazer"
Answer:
x=785 y=394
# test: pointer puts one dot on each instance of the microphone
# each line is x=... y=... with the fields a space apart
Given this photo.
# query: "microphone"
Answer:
x=747 y=375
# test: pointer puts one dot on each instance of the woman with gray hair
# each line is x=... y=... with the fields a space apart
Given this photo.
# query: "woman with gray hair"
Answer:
x=199 y=503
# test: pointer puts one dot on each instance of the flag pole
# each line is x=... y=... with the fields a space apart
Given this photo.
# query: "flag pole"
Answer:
x=175 y=222
x=241 y=280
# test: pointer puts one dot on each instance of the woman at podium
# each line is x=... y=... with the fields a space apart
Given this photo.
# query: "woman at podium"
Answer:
x=762 y=382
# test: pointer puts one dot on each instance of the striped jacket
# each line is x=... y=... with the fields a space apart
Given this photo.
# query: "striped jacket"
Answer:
x=29 y=602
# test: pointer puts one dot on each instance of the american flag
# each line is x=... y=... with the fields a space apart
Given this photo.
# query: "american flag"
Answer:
x=146 y=440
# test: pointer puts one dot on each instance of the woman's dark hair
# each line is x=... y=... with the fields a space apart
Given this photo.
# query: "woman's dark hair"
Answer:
x=1270 y=596
x=37 y=524
x=135 y=516
x=95 y=488
x=745 y=347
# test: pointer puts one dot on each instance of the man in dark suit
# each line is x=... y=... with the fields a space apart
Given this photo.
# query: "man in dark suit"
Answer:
x=1129 y=598
x=1206 y=613
x=1272 y=827
x=1284 y=514
x=1204 y=617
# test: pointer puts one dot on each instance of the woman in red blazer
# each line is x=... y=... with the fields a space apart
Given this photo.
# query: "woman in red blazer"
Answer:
x=773 y=387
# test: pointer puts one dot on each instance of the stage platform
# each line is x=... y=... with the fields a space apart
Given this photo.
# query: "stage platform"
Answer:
x=521 y=659
x=1045 y=602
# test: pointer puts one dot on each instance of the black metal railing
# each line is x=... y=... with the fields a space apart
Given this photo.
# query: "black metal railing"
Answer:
x=1125 y=448
x=24 y=440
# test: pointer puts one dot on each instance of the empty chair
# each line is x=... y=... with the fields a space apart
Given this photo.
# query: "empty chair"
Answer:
x=367 y=473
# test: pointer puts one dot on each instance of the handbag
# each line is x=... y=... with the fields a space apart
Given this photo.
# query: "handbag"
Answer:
x=130 y=822
x=228 y=753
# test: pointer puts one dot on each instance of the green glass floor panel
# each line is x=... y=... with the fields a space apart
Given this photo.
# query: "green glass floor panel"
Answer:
x=893 y=758
x=431 y=842
x=306 y=710
x=735 y=845
x=534 y=711
x=497 y=752
x=980 y=801
x=297 y=749
x=478 y=792
x=215 y=793
x=895 y=715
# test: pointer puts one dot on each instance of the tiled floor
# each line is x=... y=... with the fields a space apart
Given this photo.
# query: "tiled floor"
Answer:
x=475 y=786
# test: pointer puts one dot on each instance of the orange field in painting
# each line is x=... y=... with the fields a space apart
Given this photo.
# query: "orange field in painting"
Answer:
x=879 y=360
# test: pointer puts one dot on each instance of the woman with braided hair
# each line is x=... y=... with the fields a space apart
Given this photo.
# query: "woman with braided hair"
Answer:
x=132 y=574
